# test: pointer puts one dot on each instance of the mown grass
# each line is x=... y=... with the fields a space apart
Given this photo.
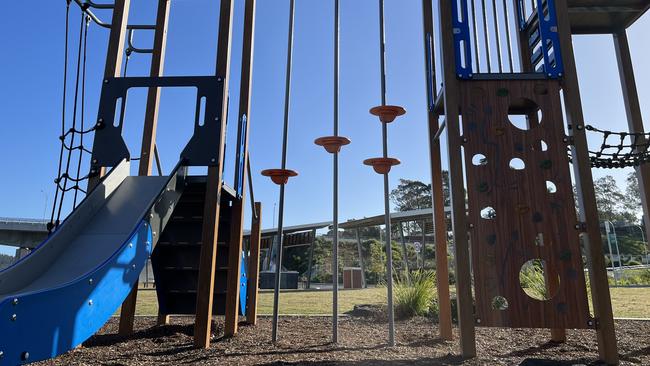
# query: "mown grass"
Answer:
x=626 y=302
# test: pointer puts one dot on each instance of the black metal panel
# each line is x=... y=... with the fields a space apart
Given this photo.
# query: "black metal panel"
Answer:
x=203 y=148
x=175 y=260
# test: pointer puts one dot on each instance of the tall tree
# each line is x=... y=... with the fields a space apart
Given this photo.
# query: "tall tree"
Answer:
x=413 y=194
x=611 y=201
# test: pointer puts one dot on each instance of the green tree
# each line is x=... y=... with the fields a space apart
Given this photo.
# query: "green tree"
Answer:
x=413 y=194
x=611 y=201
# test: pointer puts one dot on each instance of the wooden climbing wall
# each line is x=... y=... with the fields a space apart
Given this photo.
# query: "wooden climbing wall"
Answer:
x=521 y=207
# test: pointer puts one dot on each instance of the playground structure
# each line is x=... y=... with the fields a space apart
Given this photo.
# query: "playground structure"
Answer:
x=519 y=206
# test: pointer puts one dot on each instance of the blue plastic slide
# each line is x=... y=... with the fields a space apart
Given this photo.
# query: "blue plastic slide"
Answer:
x=66 y=289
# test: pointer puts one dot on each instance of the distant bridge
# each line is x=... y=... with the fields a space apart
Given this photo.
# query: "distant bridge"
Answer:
x=22 y=233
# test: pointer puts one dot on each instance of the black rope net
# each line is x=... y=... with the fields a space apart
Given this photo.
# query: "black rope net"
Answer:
x=620 y=149
x=73 y=128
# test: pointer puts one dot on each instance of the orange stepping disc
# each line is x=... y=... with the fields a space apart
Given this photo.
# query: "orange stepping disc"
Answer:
x=387 y=113
x=382 y=165
x=279 y=176
x=332 y=143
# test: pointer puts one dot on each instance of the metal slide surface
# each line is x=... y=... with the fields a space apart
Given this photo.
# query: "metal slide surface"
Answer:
x=67 y=288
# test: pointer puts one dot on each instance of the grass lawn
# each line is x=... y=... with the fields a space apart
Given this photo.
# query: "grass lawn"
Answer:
x=627 y=302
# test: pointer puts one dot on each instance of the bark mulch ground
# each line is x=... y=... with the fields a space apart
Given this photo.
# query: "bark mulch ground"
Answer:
x=305 y=341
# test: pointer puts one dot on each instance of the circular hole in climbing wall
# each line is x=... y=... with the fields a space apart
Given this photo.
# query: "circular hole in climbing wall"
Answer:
x=524 y=114
x=488 y=213
x=551 y=187
x=499 y=303
x=517 y=164
x=536 y=282
x=479 y=159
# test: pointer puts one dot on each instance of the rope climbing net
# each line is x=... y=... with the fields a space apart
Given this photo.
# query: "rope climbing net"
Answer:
x=73 y=142
x=620 y=149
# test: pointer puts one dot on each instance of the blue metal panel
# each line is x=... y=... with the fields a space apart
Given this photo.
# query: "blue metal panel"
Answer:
x=40 y=325
x=550 y=39
x=462 y=45
x=243 y=283
x=431 y=88
x=241 y=154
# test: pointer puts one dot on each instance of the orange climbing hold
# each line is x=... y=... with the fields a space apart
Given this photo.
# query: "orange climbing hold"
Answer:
x=332 y=143
x=382 y=165
x=387 y=113
x=279 y=176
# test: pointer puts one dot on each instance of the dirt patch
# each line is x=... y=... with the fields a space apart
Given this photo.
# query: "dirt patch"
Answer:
x=306 y=341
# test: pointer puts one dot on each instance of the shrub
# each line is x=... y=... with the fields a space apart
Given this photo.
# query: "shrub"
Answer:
x=415 y=297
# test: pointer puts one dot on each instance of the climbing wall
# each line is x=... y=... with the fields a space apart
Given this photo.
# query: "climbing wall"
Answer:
x=525 y=248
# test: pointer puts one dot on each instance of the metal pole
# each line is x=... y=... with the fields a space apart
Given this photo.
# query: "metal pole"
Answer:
x=644 y=242
x=611 y=255
x=486 y=37
x=335 y=195
x=405 y=254
x=287 y=94
x=311 y=258
x=363 y=269
x=497 y=34
x=384 y=130
x=618 y=252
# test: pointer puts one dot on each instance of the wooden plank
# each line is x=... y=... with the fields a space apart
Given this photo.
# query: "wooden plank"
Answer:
x=234 y=269
x=458 y=214
x=634 y=116
x=237 y=227
x=607 y=347
x=437 y=194
x=208 y=259
x=207 y=264
x=127 y=312
x=114 y=54
x=254 y=265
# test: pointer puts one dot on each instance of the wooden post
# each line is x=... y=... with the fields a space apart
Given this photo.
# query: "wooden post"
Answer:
x=634 y=117
x=114 y=54
x=127 y=314
x=437 y=195
x=237 y=228
x=458 y=207
x=440 y=231
x=607 y=347
x=234 y=269
x=254 y=265
x=208 y=261
x=557 y=335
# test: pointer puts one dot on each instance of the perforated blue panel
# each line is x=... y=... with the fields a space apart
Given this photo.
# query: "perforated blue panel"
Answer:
x=243 y=283
x=44 y=324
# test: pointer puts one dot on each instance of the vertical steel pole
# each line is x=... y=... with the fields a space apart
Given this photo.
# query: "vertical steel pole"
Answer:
x=287 y=94
x=384 y=130
x=335 y=195
x=363 y=269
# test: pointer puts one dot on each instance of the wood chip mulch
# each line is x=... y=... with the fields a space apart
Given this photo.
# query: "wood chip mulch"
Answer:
x=362 y=341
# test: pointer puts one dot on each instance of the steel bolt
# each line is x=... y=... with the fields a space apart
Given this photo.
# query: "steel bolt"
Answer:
x=130 y=245
x=2 y=354
x=24 y=356
x=90 y=281
x=90 y=303
x=13 y=317
x=478 y=320
x=471 y=226
x=105 y=81
x=133 y=266
x=213 y=160
x=15 y=301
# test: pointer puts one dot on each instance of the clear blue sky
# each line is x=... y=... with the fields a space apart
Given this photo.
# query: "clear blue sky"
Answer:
x=30 y=96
